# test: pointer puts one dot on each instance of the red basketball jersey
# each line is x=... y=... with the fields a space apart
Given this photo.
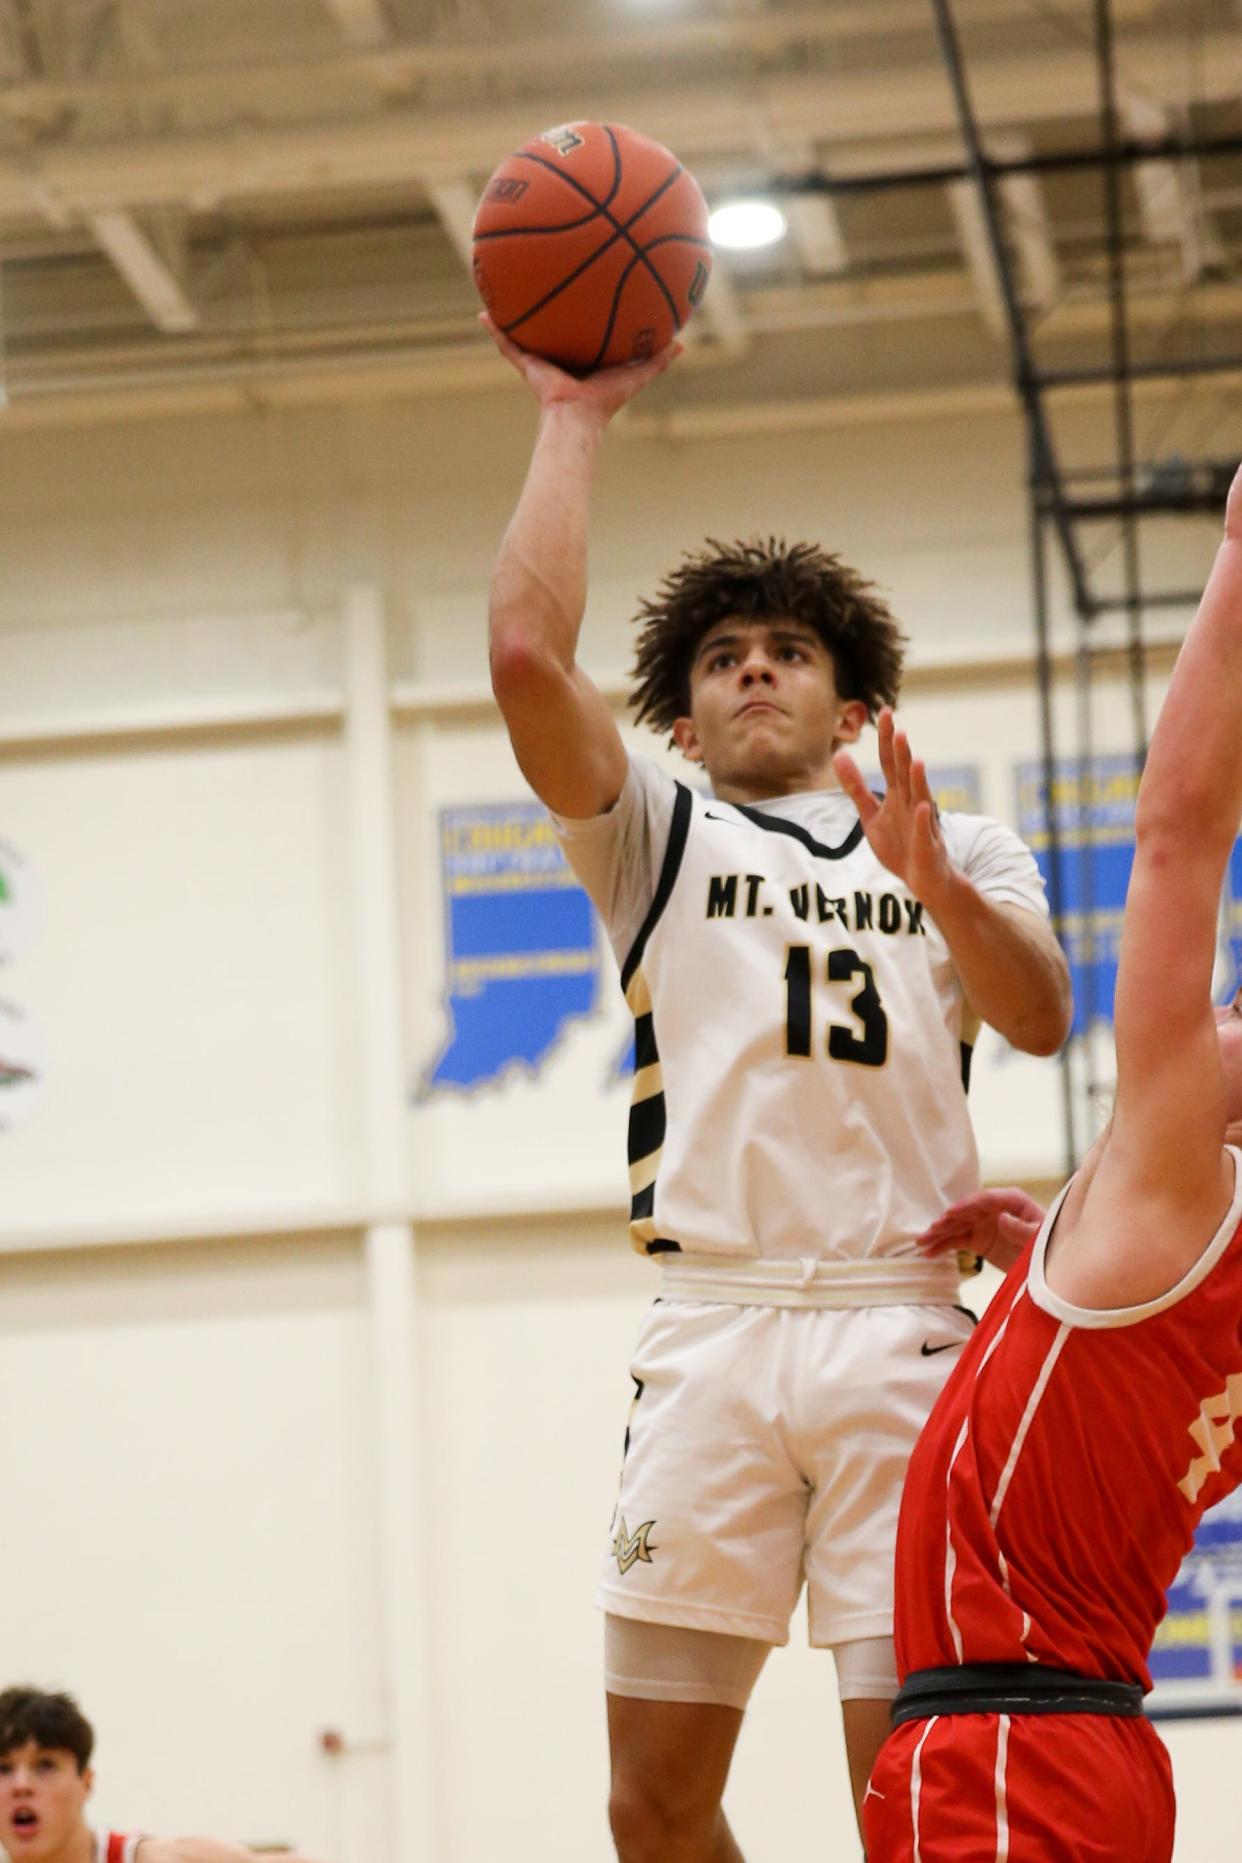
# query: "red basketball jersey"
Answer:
x=1061 y=1476
x=112 y=1847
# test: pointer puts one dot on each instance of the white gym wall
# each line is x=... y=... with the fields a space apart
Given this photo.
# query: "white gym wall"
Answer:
x=205 y=1507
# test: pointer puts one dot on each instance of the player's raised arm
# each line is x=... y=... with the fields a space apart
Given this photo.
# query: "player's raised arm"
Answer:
x=562 y=731
x=1170 y=1117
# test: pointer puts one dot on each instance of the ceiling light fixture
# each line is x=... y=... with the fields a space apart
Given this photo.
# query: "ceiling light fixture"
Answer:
x=744 y=224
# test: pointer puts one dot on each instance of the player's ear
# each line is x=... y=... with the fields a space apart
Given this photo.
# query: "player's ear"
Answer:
x=686 y=739
x=851 y=721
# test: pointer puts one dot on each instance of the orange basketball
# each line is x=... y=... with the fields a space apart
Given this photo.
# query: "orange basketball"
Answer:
x=590 y=246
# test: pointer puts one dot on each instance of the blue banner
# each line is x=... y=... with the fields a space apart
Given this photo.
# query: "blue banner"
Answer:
x=1232 y=916
x=1094 y=818
x=521 y=950
x=955 y=787
x=1093 y=812
x=1196 y=1662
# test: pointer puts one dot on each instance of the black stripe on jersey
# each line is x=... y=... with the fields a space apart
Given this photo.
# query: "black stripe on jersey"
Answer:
x=775 y=824
x=679 y=828
x=647 y=1126
x=662 y=1246
x=645 y=1050
x=642 y=1203
x=968 y=1054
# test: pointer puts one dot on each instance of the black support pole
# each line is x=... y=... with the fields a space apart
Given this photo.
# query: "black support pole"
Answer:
x=1047 y=471
x=1123 y=403
x=1052 y=832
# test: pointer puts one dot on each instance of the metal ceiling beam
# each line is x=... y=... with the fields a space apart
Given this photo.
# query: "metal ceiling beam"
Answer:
x=404 y=60
x=94 y=388
x=1207 y=501
x=703 y=122
x=145 y=271
x=814 y=223
x=1136 y=151
x=1030 y=229
x=1169 y=195
x=1171 y=369
x=908 y=296
x=578 y=74
x=1028 y=232
x=978 y=250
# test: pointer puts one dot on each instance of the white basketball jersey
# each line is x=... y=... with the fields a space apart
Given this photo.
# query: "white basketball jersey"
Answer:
x=801 y=1041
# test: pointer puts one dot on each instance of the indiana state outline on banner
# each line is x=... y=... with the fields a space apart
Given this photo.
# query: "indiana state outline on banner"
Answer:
x=522 y=954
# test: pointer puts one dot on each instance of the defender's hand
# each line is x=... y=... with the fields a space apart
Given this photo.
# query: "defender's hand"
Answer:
x=604 y=392
x=902 y=829
x=996 y=1224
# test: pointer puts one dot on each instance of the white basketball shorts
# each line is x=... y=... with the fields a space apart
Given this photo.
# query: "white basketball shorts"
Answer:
x=766 y=1447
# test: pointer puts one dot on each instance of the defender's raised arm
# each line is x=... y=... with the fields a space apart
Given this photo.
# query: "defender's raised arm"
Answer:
x=1171 y=1098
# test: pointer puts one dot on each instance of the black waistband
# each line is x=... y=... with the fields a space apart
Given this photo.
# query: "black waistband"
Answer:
x=1011 y=1688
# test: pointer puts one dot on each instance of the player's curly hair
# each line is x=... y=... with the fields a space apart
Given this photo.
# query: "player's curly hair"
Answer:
x=764 y=580
x=54 y=1722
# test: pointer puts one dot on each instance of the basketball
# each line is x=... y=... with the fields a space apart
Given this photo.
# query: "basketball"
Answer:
x=591 y=247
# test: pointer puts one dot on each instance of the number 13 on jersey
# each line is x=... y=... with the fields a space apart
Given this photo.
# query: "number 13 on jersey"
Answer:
x=868 y=1048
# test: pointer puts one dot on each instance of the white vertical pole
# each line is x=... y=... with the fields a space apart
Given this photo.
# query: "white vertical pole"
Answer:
x=389 y=1240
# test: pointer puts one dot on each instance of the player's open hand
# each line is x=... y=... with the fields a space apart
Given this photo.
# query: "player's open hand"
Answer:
x=902 y=829
x=604 y=392
x=996 y=1224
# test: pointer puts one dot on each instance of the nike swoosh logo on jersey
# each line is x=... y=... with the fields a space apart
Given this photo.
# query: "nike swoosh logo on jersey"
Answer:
x=726 y=819
x=929 y=1351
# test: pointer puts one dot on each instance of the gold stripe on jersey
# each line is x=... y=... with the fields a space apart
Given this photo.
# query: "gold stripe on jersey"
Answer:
x=638 y=996
x=643 y=1234
x=648 y=1119
x=643 y=1175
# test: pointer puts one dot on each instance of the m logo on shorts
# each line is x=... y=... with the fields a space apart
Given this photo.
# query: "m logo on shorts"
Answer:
x=628 y=1548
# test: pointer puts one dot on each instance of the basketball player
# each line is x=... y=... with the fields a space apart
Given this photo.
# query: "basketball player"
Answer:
x=1093 y=1418
x=45 y=1780
x=799 y=1114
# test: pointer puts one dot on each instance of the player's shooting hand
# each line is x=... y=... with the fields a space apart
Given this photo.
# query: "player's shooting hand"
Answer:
x=604 y=392
x=902 y=829
x=996 y=1224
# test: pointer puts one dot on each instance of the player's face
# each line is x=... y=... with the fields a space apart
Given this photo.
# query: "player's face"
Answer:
x=765 y=715
x=42 y=1797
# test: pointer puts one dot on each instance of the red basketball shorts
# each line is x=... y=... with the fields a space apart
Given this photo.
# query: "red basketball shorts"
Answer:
x=1028 y=1788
